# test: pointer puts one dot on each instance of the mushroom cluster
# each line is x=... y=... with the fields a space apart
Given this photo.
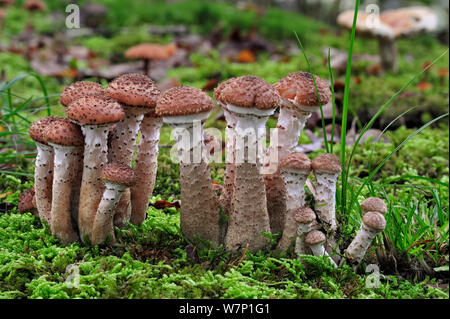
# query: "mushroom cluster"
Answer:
x=85 y=185
x=83 y=175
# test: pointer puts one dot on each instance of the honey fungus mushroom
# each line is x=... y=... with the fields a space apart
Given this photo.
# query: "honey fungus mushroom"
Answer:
x=67 y=140
x=95 y=114
x=391 y=25
x=295 y=168
x=149 y=52
x=299 y=100
x=185 y=109
x=117 y=177
x=316 y=242
x=373 y=223
x=251 y=100
x=137 y=94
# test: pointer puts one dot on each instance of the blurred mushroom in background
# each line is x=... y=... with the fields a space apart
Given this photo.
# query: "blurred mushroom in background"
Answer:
x=388 y=27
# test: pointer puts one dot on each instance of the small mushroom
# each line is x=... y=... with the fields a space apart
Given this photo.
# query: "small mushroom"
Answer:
x=138 y=94
x=149 y=52
x=373 y=223
x=43 y=173
x=185 y=109
x=67 y=141
x=373 y=204
x=316 y=242
x=95 y=114
x=305 y=219
x=80 y=89
x=392 y=24
x=299 y=101
x=295 y=168
x=117 y=177
x=251 y=100
x=26 y=202
x=327 y=168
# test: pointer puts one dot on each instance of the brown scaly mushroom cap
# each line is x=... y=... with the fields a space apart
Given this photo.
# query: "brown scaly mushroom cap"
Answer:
x=183 y=100
x=296 y=161
x=119 y=173
x=134 y=89
x=26 y=202
x=249 y=91
x=305 y=215
x=37 y=128
x=315 y=237
x=95 y=110
x=299 y=87
x=327 y=162
x=80 y=89
x=63 y=132
x=373 y=204
x=375 y=221
x=218 y=90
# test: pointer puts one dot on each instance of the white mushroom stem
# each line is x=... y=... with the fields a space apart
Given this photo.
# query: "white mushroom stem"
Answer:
x=318 y=250
x=123 y=145
x=199 y=216
x=325 y=200
x=77 y=174
x=103 y=222
x=95 y=157
x=249 y=217
x=289 y=127
x=294 y=181
x=61 y=224
x=123 y=141
x=358 y=247
x=388 y=53
x=229 y=160
x=145 y=169
x=300 y=245
x=43 y=180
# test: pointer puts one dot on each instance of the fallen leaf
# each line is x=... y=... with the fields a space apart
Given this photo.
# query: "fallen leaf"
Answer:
x=211 y=84
x=4 y=195
x=246 y=56
x=161 y=204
